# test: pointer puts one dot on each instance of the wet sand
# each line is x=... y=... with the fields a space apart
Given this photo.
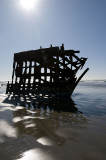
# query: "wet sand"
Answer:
x=28 y=132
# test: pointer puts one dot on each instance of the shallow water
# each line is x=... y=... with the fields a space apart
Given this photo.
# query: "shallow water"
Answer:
x=43 y=133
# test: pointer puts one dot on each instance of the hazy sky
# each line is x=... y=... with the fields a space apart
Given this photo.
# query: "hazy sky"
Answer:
x=79 y=24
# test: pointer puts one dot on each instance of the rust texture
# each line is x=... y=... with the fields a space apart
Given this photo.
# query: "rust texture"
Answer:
x=46 y=70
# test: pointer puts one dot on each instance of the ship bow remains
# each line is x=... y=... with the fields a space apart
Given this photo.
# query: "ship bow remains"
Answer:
x=46 y=71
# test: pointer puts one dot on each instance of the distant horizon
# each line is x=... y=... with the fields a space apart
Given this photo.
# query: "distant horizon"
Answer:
x=80 y=80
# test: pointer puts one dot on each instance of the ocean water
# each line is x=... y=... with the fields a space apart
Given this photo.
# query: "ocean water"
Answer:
x=39 y=132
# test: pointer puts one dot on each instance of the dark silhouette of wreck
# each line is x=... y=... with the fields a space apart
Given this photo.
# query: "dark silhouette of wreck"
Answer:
x=46 y=71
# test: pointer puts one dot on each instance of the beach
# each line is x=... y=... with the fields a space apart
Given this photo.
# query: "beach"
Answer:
x=42 y=133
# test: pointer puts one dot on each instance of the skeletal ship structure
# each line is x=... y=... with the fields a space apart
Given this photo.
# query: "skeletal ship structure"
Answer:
x=46 y=71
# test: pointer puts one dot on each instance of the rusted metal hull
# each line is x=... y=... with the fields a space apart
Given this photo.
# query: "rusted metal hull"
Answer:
x=47 y=71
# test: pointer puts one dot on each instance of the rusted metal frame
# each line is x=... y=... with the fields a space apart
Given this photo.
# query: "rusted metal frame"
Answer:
x=58 y=71
x=50 y=74
x=69 y=70
x=73 y=64
x=70 y=52
x=62 y=70
x=30 y=74
x=79 y=59
x=34 y=73
x=78 y=80
x=25 y=74
x=65 y=65
x=13 y=71
x=71 y=59
x=45 y=71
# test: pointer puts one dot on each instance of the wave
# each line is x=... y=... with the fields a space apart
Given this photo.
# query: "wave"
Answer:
x=93 y=83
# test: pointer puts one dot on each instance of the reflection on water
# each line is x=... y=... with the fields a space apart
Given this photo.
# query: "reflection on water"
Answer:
x=46 y=120
x=46 y=141
x=6 y=130
x=47 y=101
x=44 y=123
x=43 y=118
x=36 y=154
x=46 y=128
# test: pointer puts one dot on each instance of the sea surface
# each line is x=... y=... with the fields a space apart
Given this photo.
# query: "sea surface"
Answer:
x=37 y=131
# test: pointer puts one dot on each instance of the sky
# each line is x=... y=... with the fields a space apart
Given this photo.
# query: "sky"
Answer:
x=79 y=24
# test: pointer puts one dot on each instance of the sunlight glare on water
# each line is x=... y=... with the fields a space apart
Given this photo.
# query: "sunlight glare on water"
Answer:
x=6 y=130
x=35 y=154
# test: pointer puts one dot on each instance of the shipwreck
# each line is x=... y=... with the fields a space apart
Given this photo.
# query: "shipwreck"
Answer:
x=46 y=71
